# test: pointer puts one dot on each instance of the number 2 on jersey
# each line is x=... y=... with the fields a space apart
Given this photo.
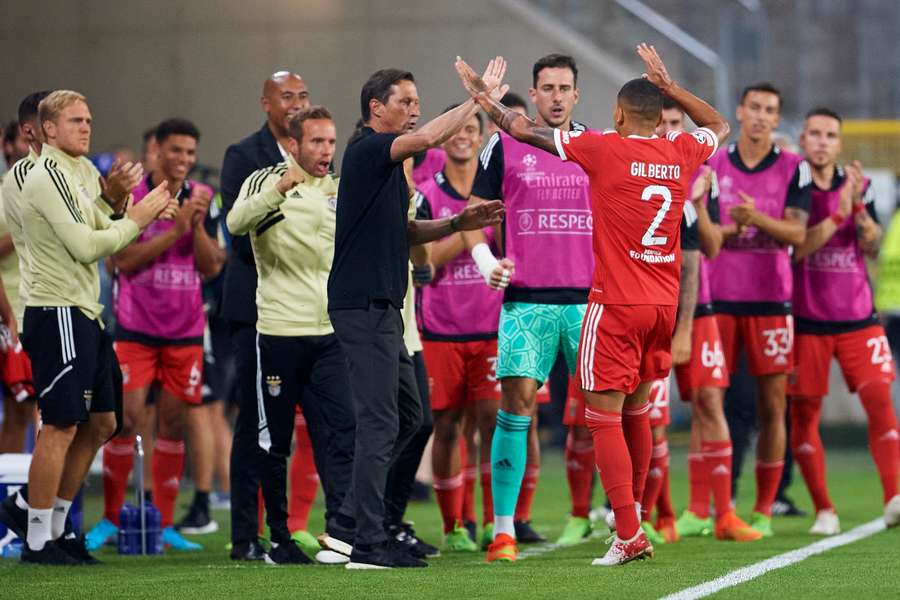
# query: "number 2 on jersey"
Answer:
x=656 y=190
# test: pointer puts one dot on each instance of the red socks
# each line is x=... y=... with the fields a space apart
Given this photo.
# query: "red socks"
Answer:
x=168 y=467
x=526 y=492
x=118 y=458
x=487 y=495
x=636 y=428
x=614 y=463
x=449 y=493
x=884 y=437
x=664 y=501
x=658 y=461
x=579 y=473
x=717 y=461
x=470 y=474
x=304 y=478
x=698 y=478
x=768 y=474
x=806 y=444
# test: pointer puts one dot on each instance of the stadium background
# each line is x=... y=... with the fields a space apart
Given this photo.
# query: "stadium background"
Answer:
x=206 y=59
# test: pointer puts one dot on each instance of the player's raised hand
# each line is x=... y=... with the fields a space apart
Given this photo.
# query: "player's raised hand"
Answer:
x=502 y=273
x=858 y=180
x=656 y=70
x=472 y=83
x=850 y=191
x=493 y=77
x=745 y=212
x=151 y=206
x=291 y=178
x=122 y=178
x=200 y=198
x=480 y=215
x=702 y=185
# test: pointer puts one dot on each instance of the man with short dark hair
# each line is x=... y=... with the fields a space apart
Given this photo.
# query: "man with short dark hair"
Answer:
x=549 y=225
x=638 y=185
x=159 y=331
x=367 y=285
x=284 y=94
x=835 y=318
x=14 y=267
x=764 y=194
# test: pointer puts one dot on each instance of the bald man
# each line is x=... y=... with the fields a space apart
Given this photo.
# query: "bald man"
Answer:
x=284 y=94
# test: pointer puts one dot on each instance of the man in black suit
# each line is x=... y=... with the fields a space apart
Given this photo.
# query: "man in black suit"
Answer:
x=284 y=94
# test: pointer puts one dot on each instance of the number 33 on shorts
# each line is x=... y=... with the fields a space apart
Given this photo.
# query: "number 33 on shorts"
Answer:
x=778 y=343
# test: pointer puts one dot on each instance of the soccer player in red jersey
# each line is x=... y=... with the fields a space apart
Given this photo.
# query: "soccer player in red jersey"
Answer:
x=835 y=317
x=700 y=371
x=638 y=187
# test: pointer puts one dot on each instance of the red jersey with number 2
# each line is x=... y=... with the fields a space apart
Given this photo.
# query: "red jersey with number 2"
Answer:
x=638 y=188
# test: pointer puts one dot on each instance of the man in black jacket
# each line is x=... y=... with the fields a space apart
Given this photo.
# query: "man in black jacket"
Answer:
x=284 y=94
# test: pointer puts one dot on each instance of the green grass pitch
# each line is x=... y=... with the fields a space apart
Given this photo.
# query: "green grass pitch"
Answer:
x=869 y=568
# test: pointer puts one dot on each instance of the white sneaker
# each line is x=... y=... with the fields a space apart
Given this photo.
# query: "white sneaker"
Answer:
x=598 y=514
x=827 y=523
x=892 y=512
x=330 y=557
x=623 y=551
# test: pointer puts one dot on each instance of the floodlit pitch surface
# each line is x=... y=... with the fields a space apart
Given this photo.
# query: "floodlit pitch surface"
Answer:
x=867 y=567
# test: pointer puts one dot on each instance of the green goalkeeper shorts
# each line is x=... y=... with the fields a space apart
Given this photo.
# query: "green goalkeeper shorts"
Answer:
x=531 y=335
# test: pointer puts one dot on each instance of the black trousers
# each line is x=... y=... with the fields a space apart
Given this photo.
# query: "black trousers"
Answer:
x=310 y=371
x=372 y=339
x=402 y=475
x=245 y=453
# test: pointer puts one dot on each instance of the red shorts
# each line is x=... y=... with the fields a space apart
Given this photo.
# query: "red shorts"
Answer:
x=543 y=394
x=706 y=368
x=177 y=368
x=623 y=345
x=864 y=356
x=574 y=413
x=15 y=367
x=659 y=403
x=461 y=372
x=768 y=341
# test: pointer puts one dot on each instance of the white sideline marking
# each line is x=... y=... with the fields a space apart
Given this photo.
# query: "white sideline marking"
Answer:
x=548 y=547
x=753 y=571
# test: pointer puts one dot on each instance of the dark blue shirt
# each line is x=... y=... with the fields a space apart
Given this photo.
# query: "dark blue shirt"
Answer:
x=371 y=247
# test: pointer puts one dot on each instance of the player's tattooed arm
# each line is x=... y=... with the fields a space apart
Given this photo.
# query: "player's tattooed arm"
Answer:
x=699 y=111
x=711 y=234
x=687 y=303
x=868 y=232
x=512 y=122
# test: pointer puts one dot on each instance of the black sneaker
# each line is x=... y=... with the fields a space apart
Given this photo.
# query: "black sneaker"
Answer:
x=15 y=519
x=51 y=554
x=74 y=547
x=387 y=555
x=288 y=553
x=197 y=521
x=525 y=534
x=248 y=551
x=472 y=530
x=405 y=535
x=785 y=507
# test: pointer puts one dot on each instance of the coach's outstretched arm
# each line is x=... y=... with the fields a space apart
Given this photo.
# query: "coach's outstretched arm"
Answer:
x=442 y=128
x=699 y=111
